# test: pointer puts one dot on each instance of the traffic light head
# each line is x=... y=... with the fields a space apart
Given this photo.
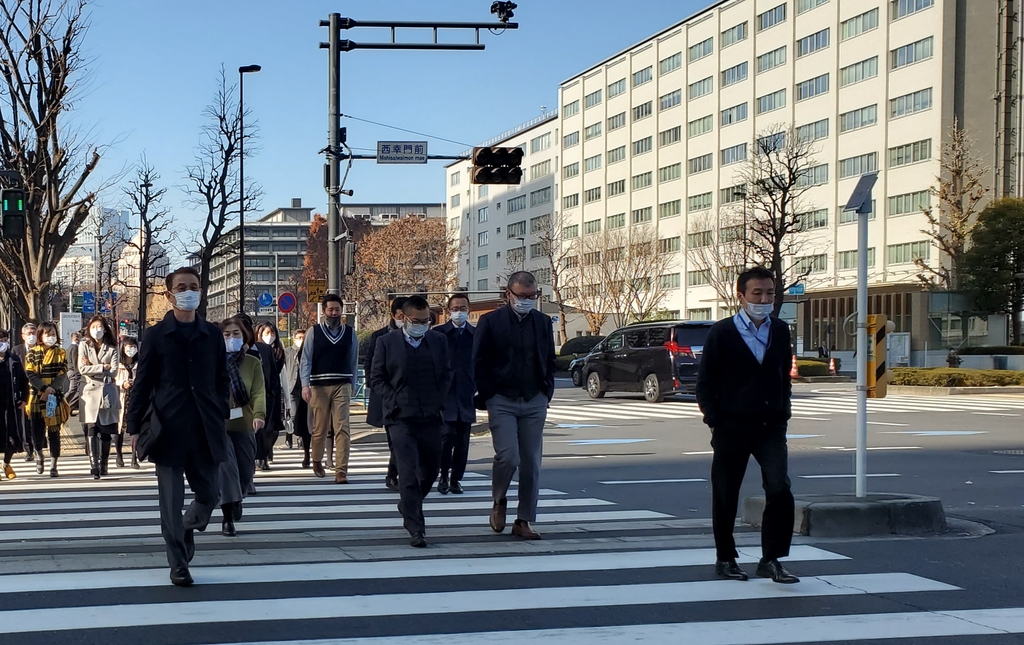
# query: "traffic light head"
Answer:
x=497 y=165
x=12 y=213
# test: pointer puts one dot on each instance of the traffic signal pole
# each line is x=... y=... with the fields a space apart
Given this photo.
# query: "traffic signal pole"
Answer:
x=334 y=149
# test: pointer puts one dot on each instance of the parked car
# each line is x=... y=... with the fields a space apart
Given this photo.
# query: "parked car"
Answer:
x=656 y=358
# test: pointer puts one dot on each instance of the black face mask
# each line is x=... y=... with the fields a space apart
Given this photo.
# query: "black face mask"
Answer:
x=333 y=321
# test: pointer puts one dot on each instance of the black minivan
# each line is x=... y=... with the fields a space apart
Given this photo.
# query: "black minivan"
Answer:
x=656 y=358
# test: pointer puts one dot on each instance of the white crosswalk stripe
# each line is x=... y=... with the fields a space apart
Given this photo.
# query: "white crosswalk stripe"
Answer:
x=599 y=583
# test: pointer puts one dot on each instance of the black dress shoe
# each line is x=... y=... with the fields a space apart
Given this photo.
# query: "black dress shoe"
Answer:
x=456 y=488
x=237 y=511
x=729 y=570
x=190 y=545
x=391 y=483
x=442 y=487
x=264 y=466
x=773 y=569
x=418 y=541
x=181 y=577
x=227 y=528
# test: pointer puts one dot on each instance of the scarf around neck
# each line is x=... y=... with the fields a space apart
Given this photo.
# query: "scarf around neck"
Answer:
x=239 y=393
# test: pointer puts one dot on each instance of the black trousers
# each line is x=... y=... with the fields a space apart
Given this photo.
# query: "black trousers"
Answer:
x=204 y=480
x=392 y=462
x=42 y=437
x=455 y=449
x=733 y=447
x=416 y=445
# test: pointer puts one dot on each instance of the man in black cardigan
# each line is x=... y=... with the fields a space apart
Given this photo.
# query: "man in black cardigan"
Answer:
x=744 y=392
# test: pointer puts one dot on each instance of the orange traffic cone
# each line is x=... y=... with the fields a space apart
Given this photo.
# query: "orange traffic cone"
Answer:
x=832 y=367
x=795 y=371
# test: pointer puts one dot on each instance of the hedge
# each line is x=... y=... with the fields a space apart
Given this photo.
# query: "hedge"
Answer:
x=812 y=368
x=839 y=362
x=363 y=335
x=562 y=363
x=1016 y=350
x=580 y=345
x=945 y=377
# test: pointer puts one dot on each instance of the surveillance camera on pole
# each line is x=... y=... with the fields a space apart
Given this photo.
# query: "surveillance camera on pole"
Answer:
x=503 y=10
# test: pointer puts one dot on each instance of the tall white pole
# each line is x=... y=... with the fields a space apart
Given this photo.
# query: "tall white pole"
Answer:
x=862 y=351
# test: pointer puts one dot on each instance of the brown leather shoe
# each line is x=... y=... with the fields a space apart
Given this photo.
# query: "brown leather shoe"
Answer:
x=318 y=469
x=521 y=529
x=340 y=478
x=498 y=514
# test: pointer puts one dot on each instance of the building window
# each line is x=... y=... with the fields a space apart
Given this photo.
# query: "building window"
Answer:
x=643 y=111
x=902 y=8
x=814 y=176
x=846 y=217
x=810 y=44
x=641 y=215
x=772 y=17
x=481 y=215
x=571 y=170
x=734 y=35
x=670 y=173
x=908 y=252
x=482 y=238
x=811 y=88
x=699 y=314
x=670 y=100
x=592 y=227
x=912 y=53
x=592 y=163
x=571 y=139
x=770 y=102
x=571 y=201
x=700 y=202
x=456 y=199
x=813 y=131
x=700 y=50
x=592 y=131
x=571 y=109
x=643 y=180
x=537 y=251
x=481 y=284
x=670 y=209
x=481 y=191
x=455 y=223
x=811 y=264
x=812 y=220
x=910 y=153
x=771 y=60
x=543 y=142
x=616 y=155
x=539 y=197
x=910 y=203
x=543 y=275
x=700 y=239
x=734 y=74
x=670 y=136
x=456 y=177
x=847 y=260
x=858 y=72
x=735 y=114
x=641 y=77
x=858 y=119
x=516 y=229
x=732 y=194
x=699 y=126
x=856 y=166
x=517 y=204
x=591 y=100
x=592 y=195
x=806 y=5
x=910 y=103
x=728 y=234
x=481 y=262
x=669 y=281
x=669 y=244
x=697 y=278
x=700 y=164
x=858 y=25
x=734 y=154
x=571 y=232
x=539 y=224
x=617 y=188
x=701 y=88
x=542 y=169
x=617 y=121
x=670 y=64
x=616 y=221
x=616 y=88
x=643 y=145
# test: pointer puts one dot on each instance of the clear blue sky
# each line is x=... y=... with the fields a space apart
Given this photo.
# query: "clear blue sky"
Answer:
x=154 y=67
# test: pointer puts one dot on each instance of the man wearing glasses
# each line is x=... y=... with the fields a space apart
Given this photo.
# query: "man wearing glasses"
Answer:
x=459 y=413
x=514 y=369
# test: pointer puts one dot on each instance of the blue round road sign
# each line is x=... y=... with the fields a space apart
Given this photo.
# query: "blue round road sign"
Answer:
x=265 y=299
x=286 y=302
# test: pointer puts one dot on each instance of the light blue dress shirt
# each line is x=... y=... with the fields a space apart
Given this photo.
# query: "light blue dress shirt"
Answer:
x=415 y=342
x=756 y=338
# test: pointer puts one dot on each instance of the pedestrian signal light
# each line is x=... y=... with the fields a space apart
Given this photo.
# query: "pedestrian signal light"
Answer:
x=12 y=213
x=879 y=327
x=497 y=165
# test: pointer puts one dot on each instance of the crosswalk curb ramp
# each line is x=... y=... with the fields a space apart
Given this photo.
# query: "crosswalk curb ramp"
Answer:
x=319 y=564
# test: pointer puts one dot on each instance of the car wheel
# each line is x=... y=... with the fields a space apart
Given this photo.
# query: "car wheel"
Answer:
x=577 y=378
x=594 y=386
x=652 y=389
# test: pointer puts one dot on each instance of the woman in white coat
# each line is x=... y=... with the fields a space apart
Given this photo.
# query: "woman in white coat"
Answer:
x=100 y=405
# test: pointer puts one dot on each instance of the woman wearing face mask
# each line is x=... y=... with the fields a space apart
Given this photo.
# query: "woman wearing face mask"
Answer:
x=101 y=400
x=266 y=438
x=248 y=415
x=300 y=409
x=13 y=396
x=47 y=368
x=126 y=368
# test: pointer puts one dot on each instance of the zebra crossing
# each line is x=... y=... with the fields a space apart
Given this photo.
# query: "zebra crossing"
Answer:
x=321 y=564
x=810 y=407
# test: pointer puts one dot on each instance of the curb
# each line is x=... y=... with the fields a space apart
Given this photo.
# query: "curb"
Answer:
x=849 y=516
x=918 y=390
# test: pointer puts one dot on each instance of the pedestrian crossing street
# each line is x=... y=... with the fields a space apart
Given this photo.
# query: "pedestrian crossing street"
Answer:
x=321 y=564
x=809 y=407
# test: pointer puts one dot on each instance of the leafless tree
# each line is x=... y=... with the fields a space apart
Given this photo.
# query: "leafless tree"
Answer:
x=647 y=263
x=581 y=283
x=959 y=192
x=41 y=64
x=144 y=201
x=107 y=249
x=212 y=181
x=722 y=247
x=549 y=236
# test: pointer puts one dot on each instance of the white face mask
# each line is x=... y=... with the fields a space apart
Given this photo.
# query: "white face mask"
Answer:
x=399 y=323
x=522 y=306
x=4 y=346
x=459 y=318
x=758 y=311
x=130 y=352
x=96 y=334
x=233 y=345
x=187 y=300
x=30 y=340
x=417 y=330
x=50 y=341
x=269 y=339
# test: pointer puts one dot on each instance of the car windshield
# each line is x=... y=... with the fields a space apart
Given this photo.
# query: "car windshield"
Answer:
x=691 y=336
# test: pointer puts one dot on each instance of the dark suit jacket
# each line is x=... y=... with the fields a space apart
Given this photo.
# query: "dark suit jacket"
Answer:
x=272 y=379
x=387 y=374
x=374 y=405
x=180 y=381
x=459 y=404
x=493 y=355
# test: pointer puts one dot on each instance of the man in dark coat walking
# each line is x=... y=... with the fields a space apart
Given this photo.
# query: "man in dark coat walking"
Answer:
x=374 y=406
x=459 y=413
x=177 y=415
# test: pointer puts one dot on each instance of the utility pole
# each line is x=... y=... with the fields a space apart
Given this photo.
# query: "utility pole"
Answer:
x=333 y=147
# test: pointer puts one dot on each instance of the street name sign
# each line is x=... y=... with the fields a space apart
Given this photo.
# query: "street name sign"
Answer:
x=390 y=152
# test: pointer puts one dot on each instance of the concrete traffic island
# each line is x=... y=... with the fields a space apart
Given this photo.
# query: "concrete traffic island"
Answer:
x=850 y=516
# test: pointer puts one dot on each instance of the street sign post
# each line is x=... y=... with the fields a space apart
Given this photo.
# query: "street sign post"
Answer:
x=107 y=300
x=265 y=299
x=401 y=152
x=286 y=302
x=315 y=290
x=797 y=289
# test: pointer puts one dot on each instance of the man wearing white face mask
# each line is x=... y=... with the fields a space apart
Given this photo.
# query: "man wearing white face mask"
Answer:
x=744 y=392
x=374 y=406
x=459 y=413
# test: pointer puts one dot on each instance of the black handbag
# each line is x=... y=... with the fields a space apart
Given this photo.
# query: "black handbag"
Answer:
x=149 y=434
